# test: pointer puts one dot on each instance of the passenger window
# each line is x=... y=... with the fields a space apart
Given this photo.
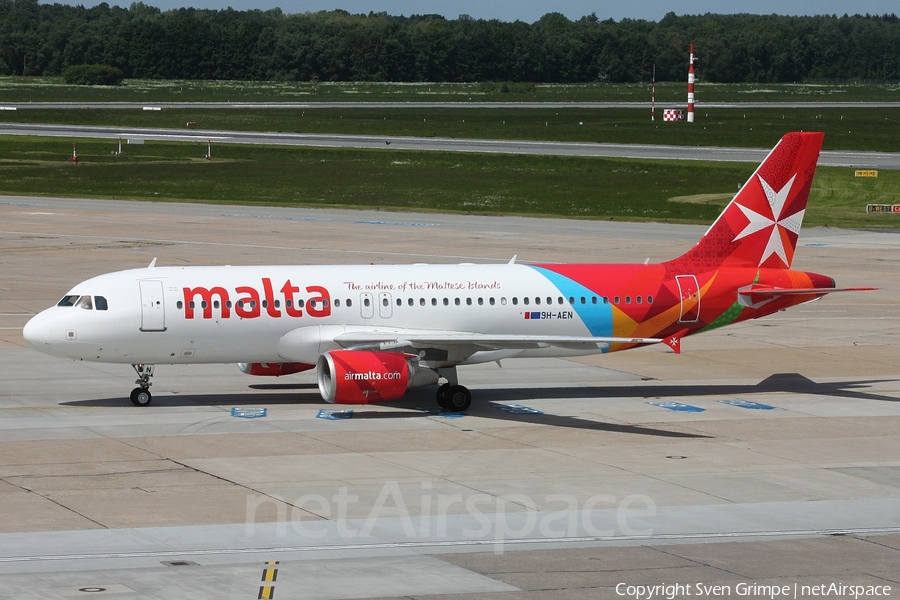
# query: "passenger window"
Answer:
x=560 y=300
x=627 y=299
x=265 y=304
x=300 y=303
x=446 y=302
x=68 y=301
x=549 y=300
x=491 y=301
x=649 y=299
x=616 y=300
x=228 y=303
x=515 y=300
x=571 y=299
x=399 y=302
x=191 y=304
x=366 y=302
x=481 y=301
x=503 y=301
x=457 y=302
x=410 y=302
x=204 y=304
x=639 y=299
x=593 y=299
x=277 y=304
x=583 y=301
x=525 y=300
x=216 y=303
x=179 y=304
x=605 y=299
x=384 y=302
x=349 y=303
x=434 y=301
x=337 y=302
x=421 y=301
x=100 y=303
x=537 y=300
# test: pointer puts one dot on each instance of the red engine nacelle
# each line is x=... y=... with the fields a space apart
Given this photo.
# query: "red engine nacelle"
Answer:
x=273 y=369
x=363 y=377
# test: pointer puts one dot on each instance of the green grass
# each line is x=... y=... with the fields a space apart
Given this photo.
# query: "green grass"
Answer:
x=418 y=181
x=53 y=89
x=846 y=129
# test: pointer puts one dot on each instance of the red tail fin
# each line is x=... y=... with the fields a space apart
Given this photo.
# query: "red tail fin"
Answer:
x=760 y=227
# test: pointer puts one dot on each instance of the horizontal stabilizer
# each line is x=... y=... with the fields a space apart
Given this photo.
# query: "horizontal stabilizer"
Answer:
x=767 y=292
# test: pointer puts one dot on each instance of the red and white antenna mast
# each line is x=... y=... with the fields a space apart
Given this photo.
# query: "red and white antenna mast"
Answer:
x=690 y=115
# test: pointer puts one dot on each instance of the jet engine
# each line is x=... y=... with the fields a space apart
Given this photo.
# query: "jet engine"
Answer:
x=273 y=369
x=364 y=377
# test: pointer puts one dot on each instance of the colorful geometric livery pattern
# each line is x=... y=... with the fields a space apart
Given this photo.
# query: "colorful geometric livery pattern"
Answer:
x=725 y=277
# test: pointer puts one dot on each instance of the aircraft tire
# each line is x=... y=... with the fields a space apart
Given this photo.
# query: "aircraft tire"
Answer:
x=457 y=398
x=441 y=396
x=141 y=396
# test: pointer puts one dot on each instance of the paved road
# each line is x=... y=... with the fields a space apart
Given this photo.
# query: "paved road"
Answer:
x=873 y=160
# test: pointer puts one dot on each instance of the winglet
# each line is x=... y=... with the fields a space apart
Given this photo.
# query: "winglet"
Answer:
x=152 y=263
x=512 y=261
x=674 y=341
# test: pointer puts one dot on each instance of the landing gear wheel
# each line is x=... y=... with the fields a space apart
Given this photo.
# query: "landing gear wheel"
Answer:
x=457 y=398
x=141 y=396
x=442 y=396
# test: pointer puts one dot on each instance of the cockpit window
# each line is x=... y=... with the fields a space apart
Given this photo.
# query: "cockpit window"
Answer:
x=68 y=301
x=100 y=303
x=85 y=303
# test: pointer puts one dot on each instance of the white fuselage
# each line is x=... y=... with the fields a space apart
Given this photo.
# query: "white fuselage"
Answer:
x=225 y=314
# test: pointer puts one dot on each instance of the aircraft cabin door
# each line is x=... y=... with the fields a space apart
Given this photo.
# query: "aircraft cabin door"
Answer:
x=689 y=293
x=366 y=305
x=385 y=310
x=153 y=307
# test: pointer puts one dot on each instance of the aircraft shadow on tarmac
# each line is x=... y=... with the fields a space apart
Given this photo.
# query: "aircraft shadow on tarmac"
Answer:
x=419 y=403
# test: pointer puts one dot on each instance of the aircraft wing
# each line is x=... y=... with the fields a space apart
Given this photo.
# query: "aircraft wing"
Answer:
x=457 y=346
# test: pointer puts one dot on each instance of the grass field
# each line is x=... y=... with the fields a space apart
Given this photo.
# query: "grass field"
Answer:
x=846 y=129
x=53 y=89
x=489 y=184
x=418 y=181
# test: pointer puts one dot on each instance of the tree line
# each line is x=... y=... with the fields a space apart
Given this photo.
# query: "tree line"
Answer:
x=186 y=43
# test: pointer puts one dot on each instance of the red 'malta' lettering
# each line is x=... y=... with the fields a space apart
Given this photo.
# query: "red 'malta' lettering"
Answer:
x=249 y=302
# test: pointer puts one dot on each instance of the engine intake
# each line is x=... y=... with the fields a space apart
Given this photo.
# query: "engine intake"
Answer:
x=364 y=377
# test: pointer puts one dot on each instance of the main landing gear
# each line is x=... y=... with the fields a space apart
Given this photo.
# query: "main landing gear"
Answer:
x=451 y=396
x=140 y=396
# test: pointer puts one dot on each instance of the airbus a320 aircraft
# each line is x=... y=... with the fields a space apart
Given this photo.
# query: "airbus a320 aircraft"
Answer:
x=373 y=332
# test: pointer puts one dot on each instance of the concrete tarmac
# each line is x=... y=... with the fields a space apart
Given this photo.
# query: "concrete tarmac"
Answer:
x=766 y=454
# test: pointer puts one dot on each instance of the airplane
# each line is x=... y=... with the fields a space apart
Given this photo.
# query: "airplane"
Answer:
x=373 y=332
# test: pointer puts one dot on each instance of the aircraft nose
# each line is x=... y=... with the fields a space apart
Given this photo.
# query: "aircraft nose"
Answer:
x=37 y=332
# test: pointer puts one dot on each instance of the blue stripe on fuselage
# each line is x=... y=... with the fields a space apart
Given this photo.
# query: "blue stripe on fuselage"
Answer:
x=597 y=317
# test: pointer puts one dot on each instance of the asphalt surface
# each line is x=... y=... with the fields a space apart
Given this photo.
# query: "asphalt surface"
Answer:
x=314 y=105
x=871 y=160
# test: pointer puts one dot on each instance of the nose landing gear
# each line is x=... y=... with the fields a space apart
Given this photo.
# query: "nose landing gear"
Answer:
x=140 y=396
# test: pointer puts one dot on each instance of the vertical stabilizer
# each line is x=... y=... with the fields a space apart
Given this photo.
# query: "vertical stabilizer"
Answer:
x=760 y=227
